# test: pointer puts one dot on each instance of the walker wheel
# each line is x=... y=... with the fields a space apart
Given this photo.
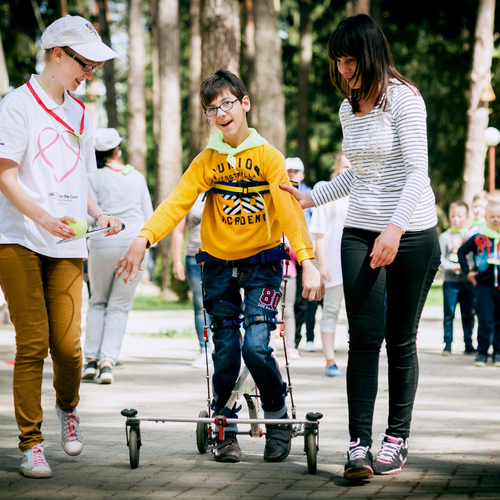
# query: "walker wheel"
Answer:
x=134 y=446
x=311 y=450
x=202 y=433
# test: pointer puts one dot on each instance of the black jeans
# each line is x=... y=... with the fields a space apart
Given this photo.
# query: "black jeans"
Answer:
x=407 y=281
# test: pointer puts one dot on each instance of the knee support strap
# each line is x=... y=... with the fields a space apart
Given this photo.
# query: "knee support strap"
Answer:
x=225 y=323
x=253 y=320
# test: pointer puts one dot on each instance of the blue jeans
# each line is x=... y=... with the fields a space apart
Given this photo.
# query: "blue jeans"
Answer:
x=463 y=294
x=488 y=315
x=193 y=277
x=222 y=300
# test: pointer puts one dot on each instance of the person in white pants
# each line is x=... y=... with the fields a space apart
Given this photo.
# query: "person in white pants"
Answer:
x=327 y=224
x=122 y=190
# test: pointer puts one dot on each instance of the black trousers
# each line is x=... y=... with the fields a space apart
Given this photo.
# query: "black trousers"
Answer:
x=406 y=281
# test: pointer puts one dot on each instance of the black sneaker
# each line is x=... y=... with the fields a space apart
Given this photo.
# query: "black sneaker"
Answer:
x=446 y=350
x=278 y=441
x=105 y=375
x=481 y=360
x=470 y=349
x=496 y=359
x=359 y=462
x=228 y=450
x=392 y=456
x=90 y=371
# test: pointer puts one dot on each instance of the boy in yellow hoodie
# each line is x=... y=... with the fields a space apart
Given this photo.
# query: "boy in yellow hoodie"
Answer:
x=244 y=216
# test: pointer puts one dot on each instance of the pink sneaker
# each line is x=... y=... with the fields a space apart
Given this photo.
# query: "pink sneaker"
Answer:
x=71 y=434
x=34 y=463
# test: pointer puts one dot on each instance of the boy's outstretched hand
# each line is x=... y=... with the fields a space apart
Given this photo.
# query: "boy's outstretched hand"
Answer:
x=130 y=263
x=313 y=286
x=303 y=198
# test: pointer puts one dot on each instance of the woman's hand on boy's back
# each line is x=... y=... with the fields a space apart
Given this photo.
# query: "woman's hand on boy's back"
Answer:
x=313 y=286
x=303 y=198
x=130 y=263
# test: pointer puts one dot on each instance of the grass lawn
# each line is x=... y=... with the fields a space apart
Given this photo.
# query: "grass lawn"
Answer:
x=154 y=303
x=148 y=302
x=435 y=297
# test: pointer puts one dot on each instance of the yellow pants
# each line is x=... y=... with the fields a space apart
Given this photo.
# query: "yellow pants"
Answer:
x=44 y=296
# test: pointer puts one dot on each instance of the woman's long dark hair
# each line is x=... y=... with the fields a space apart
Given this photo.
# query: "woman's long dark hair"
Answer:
x=360 y=37
x=101 y=157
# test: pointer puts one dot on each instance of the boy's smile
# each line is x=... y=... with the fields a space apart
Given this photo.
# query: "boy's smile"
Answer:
x=232 y=123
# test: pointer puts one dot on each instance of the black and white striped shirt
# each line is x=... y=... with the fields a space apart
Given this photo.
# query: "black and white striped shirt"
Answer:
x=388 y=180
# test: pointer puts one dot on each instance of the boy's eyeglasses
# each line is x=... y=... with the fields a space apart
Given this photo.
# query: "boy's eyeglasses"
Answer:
x=225 y=106
x=85 y=67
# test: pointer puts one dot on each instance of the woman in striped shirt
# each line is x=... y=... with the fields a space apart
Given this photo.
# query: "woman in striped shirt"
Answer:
x=390 y=251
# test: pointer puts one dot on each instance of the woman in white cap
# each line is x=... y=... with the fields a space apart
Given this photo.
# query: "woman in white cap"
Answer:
x=46 y=151
x=122 y=190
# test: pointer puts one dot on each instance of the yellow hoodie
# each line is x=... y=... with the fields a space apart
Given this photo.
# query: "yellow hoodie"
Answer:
x=231 y=228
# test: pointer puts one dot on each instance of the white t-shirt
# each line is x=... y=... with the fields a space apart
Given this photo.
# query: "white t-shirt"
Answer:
x=329 y=220
x=53 y=166
x=126 y=197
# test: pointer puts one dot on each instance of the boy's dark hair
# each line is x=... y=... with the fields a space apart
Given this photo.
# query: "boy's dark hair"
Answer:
x=360 y=37
x=460 y=204
x=217 y=83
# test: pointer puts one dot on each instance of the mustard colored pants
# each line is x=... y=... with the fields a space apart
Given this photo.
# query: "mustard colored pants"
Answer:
x=44 y=296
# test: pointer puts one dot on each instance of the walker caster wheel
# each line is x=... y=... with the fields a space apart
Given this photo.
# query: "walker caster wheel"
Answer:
x=311 y=450
x=202 y=433
x=134 y=446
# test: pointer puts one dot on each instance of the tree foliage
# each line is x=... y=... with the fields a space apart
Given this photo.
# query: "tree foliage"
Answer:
x=432 y=44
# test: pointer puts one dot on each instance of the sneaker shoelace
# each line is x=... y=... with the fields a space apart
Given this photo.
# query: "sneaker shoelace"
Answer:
x=389 y=449
x=356 y=451
x=71 y=426
x=38 y=456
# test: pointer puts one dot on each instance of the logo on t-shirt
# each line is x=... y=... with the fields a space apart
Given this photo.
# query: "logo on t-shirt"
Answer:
x=49 y=144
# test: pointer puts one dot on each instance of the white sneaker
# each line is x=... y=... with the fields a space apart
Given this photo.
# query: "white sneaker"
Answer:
x=310 y=347
x=200 y=361
x=293 y=353
x=71 y=434
x=34 y=463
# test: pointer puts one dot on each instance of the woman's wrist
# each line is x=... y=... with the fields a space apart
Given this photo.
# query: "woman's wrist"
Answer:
x=96 y=218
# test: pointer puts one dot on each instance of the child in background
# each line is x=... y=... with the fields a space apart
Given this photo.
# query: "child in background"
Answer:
x=457 y=288
x=485 y=247
x=478 y=207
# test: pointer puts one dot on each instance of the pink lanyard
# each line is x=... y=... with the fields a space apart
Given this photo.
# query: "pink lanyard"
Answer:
x=59 y=119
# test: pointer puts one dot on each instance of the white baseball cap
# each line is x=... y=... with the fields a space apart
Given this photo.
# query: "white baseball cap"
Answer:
x=107 y=139
x=80 y=36
x=294 y=164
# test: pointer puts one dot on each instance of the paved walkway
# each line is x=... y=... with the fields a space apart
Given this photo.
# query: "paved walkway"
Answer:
x=454 y=447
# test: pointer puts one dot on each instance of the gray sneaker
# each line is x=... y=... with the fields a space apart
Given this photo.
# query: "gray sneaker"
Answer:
x=71 y=434
x=34 y=463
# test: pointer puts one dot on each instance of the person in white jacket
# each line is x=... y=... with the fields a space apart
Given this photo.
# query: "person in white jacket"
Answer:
x=327 y=225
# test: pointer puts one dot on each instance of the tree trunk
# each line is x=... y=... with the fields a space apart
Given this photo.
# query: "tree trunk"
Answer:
x=220 y=44
x=136 y=146
x=109 y=71
x=155 y=64
x=480 y=77
x=305 y=31
x=194 y=80
x=355 y=7
x=62 y=8
x=249 y=55
x=268 y=96
x=169 y=147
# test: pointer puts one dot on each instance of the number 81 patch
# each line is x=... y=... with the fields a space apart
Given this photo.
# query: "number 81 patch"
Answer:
x=269 y=299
